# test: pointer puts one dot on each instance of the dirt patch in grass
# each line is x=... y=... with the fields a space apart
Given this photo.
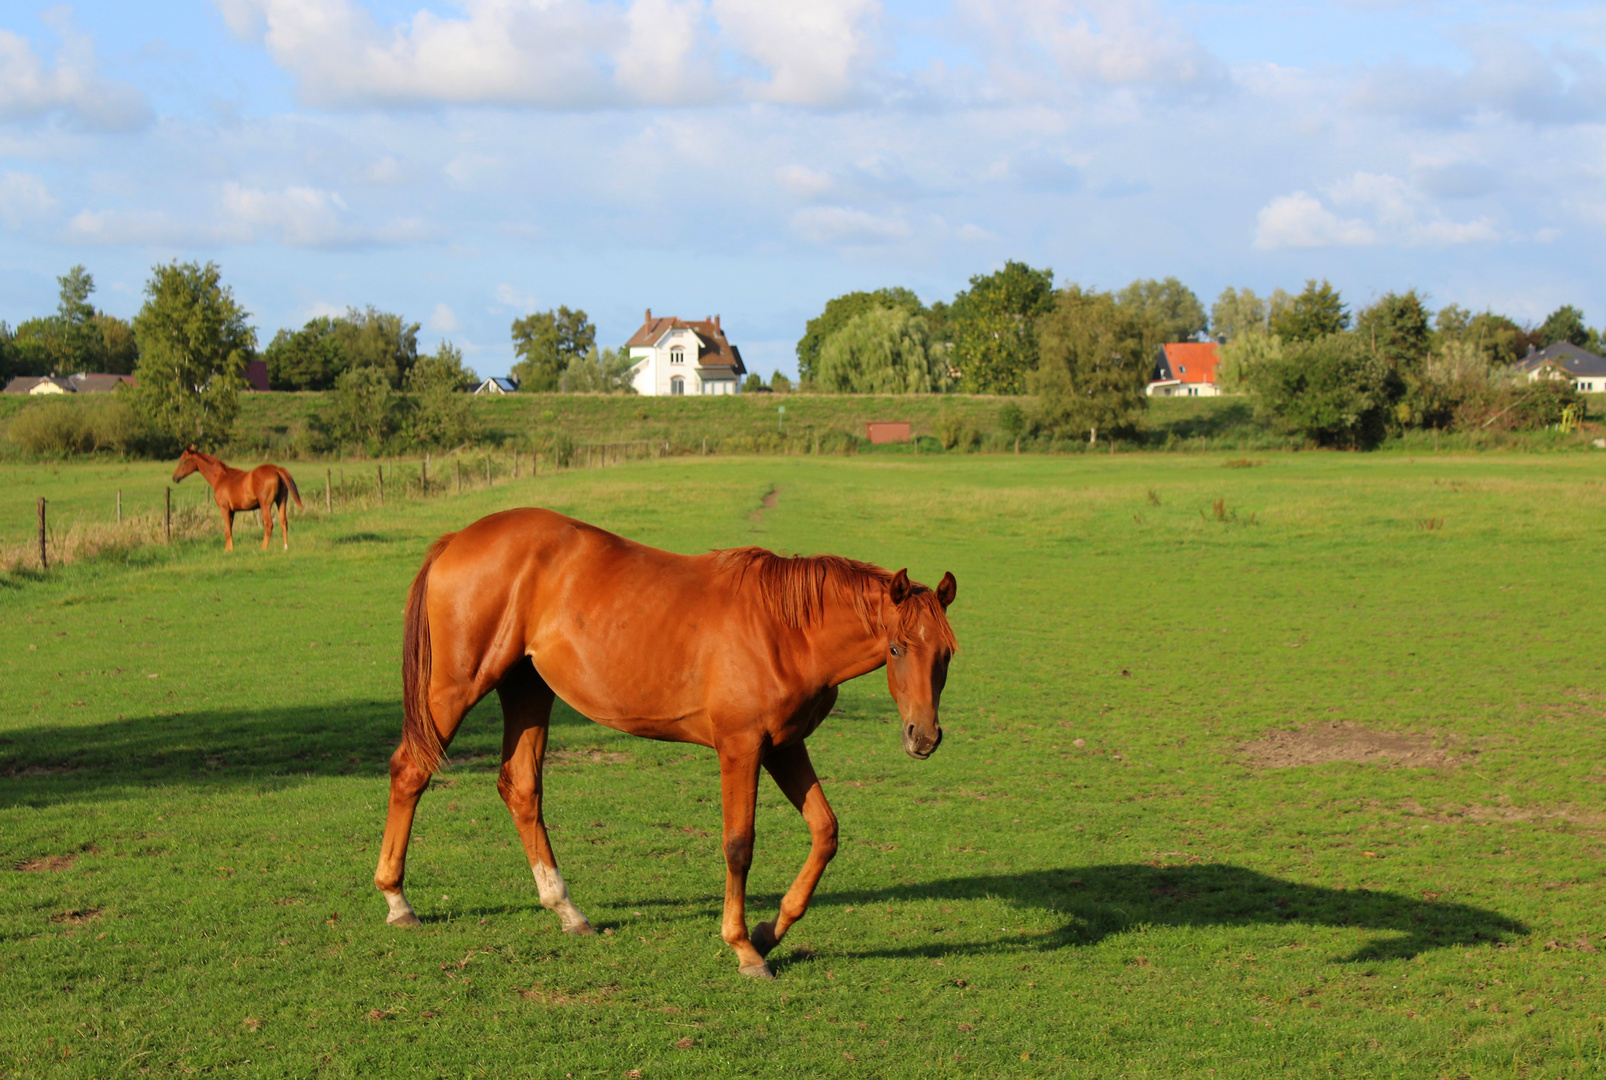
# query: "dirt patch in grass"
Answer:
x=52 y=863
x=1338 y=740
x=77 y=917
x=586 y=757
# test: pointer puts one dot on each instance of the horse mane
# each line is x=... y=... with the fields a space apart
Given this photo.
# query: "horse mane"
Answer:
x=794 y=589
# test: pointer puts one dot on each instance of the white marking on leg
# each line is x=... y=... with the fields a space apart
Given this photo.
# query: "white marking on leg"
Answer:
x=400 y=909
x=555 y=897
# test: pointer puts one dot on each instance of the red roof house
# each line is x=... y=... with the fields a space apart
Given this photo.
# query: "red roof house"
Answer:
x=1186 y=369
x=684 y=356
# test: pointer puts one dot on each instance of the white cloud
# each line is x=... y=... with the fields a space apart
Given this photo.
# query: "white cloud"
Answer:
x=299 y=216
x=1114 y=43
x=842 y=225
x=1301 y=221
x=1394 y=214
x=814 y=51
x=804 y=182
x=444 y=320
x=71 y=87
x=145 y=228
x=666 y=59
x=23 y=198
x=515 y=299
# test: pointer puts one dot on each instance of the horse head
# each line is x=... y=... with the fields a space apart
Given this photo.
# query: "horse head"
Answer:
x=188 y=462
x=919 y=645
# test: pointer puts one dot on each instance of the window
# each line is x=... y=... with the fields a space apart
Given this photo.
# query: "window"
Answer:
x=677 y=355
x=677 y=385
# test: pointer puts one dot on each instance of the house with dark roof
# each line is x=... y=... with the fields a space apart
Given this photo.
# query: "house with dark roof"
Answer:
x=684 y=356
x=496 y=385
x=1185 y=369
x=81 y=383
x=1564 y=360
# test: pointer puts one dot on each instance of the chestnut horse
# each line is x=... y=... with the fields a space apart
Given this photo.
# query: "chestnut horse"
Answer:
x=740 y=651
x=263 y=488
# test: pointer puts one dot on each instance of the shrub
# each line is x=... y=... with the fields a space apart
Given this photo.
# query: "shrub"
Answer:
x=62 y=428
x=1333 y=391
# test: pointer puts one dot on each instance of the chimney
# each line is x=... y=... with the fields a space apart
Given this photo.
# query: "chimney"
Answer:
x=716 y=324
x=649 y=315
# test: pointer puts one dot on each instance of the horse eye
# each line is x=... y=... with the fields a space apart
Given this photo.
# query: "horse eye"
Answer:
x=896 y=651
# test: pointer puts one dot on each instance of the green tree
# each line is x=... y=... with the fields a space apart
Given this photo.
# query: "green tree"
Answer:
x=1096 y=360
x=194 y=343
x=1317 y=311
x=307 y=359
x=361 y=410
x=442 y=413
x=885 y=350
x=1396 y=328
x=993 y=327
x=1244 y=352
x=1566 y=323
x=604 y=372
x=1169 y=309
x=119 y=350
x=75 y=340
x=378 y=339
x=547 y=343
x=1238 y=311
x=1334 y=391
x=780 y=383
x=838 y=311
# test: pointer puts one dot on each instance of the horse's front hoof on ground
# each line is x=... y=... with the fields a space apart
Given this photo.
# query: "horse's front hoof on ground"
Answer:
x=758 y=971
x=579 y=929
x=405 y=918
x=763 y=938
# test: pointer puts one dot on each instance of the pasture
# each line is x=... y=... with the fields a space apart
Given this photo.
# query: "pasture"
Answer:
x=1288 y=768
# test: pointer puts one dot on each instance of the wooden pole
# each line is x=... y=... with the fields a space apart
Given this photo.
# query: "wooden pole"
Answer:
x=328 y=497
x=515 y=464
x=423 y=475
x=487 y=470
x=457 y=476
x=167 y=517
x=120 y=505
x=44 y=560
x=381 y=485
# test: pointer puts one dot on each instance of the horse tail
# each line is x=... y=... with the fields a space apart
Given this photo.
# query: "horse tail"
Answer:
x=284 y=474
x=419 y=737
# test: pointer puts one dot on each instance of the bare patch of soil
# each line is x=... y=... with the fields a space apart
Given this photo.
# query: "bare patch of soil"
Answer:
x=40 y=770
x=586 y=757
x=77 y=917
x=1338 y=740
x=52 y=863
x=771 y=497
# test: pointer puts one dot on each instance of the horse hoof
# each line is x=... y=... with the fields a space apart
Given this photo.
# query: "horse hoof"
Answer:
x=579 y=929
x=758 y=971
x=763 y=938
x=405 y=919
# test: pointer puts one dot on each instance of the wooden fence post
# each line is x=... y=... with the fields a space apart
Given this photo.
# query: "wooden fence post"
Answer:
x=328 y=499
x=423 y=475
x=44 y=559
x=167 y=517
x=381 y=485
x=487 y=470
x=515 y=464
x=120 y=502
x=457 y=476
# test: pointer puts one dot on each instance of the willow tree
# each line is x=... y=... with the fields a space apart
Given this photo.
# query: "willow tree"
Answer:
x=885 y=350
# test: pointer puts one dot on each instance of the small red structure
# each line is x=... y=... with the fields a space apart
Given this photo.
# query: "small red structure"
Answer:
x=885 y=431
x=256 y=375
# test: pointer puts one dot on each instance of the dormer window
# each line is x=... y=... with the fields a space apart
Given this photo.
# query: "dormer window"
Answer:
x=677 y=355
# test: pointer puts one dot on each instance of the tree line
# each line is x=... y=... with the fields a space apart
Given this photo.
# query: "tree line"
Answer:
x=1314 y=369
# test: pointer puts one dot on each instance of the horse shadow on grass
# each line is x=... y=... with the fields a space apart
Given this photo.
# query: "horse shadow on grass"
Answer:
x=44 y=765
x=1092 y=903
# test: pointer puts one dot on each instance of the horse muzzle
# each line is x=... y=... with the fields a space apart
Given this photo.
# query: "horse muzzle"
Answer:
x=921 y=744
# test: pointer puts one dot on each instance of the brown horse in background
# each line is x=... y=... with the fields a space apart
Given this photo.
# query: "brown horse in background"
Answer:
x=740 y=651
x=263 y=488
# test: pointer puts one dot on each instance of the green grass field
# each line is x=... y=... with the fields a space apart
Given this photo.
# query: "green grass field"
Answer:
x=1138 y=853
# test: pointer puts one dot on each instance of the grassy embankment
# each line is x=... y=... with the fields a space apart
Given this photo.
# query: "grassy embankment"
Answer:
x=1099 y=873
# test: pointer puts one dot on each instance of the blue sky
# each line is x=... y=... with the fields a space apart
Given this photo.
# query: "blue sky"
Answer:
x=466 y=162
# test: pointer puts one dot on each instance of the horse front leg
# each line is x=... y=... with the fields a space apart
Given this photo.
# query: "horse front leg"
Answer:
x=794 y=775
x=526 y=713
x=228 y=529
x=738 y=784
x=266 y=510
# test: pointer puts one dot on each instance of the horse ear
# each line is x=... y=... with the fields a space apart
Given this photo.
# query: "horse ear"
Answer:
x=899 y=588
x=947 y=589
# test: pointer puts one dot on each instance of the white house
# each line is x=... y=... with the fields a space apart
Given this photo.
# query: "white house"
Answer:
x=1564 y=360
x=681 y=356
x=496 y=385
x=1185 y=369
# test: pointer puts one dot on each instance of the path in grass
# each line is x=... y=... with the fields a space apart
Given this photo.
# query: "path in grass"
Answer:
x=1099 y=873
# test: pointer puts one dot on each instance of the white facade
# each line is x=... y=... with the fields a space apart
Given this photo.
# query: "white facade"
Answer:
x=669 y=366
x=1176 y=388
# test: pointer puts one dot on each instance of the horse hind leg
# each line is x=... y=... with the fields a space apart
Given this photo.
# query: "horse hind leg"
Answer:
x=284 y=518
x=526 y=712
x=407 y=785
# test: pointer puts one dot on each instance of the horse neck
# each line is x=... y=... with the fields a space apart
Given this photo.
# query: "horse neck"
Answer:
x=843 y=646
x=210 y=468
